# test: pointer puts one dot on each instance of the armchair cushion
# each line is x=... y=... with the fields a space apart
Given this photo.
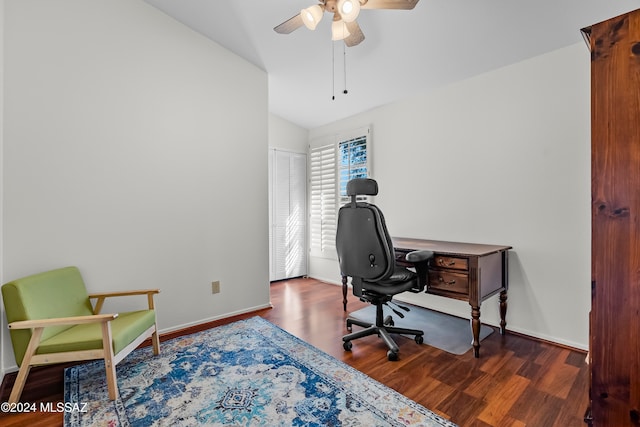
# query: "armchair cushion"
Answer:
x=88 y=336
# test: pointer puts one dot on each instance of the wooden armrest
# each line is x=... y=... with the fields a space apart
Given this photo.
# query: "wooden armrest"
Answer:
x=103 y=295
x=76 y=320
x=124 y=293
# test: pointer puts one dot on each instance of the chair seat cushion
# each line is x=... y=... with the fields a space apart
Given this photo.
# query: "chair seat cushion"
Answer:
x=124 y=329
x=401 y=280
x=400 y=274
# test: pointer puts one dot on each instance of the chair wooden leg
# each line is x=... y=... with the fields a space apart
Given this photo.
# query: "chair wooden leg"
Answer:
x=25 y=366
x=155 y=340
x=109 y=366
x=18 y=386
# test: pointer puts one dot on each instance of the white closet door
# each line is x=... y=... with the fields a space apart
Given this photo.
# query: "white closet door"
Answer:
x=288 y=215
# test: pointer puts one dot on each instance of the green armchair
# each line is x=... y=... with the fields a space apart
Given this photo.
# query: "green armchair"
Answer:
x=51 y=320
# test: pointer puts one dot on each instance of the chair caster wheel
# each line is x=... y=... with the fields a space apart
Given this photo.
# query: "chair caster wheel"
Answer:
x=392 y=356
x=419 y=339
x=347 y=345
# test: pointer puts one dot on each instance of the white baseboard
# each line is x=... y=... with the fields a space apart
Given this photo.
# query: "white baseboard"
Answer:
x=214 y=318
x=510 y=327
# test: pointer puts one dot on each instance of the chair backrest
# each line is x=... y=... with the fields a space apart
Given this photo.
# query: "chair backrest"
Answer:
x=56 y=293
x=365 y=250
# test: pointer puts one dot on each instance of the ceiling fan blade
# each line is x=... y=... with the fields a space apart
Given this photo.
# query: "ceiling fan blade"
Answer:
x=356 y=34
x=389 y=4
x=290 y=25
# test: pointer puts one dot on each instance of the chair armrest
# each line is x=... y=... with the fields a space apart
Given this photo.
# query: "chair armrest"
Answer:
x=76 y=320
x=418 y=256
x=420 y=260
x=124 y=293
x=103 y=295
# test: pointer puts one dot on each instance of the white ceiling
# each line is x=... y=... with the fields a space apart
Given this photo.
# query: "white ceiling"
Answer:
x=404 y=53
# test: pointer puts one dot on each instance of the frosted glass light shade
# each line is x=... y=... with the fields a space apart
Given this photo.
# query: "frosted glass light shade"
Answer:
x=339 y=30
x=349 y=9
x=311 y=16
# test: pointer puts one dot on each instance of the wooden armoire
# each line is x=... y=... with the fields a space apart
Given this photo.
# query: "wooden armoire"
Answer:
x=615 y=207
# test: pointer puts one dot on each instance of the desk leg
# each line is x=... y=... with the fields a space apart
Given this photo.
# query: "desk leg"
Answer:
x=344 y=292
x=475 y=328
x=503 y=312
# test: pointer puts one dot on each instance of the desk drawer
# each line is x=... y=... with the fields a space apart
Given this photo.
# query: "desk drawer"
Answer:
x=455 y=263
x=449 y=281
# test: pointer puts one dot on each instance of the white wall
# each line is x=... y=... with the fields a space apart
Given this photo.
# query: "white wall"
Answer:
x=2 y=315
x=501 y=158
x=287 y=136
x=122 y=132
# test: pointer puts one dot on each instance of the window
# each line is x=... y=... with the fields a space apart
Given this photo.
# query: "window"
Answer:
x=353 y=163
x=333 y=162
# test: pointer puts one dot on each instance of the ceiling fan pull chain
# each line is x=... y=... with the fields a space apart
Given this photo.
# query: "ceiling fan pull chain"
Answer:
x=333 y=71
x=344 y=53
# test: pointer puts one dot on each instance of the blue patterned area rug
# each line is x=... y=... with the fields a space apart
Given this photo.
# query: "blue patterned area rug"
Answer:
x=247 y=373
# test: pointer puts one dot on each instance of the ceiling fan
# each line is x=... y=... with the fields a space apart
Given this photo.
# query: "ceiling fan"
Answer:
x=344 y=25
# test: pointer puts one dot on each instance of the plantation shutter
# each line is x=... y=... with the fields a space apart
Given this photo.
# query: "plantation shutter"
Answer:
x=323 y=200
x=333 y=162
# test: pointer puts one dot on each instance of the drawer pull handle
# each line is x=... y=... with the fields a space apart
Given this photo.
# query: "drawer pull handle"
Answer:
x=446 y=264
x=450 y=282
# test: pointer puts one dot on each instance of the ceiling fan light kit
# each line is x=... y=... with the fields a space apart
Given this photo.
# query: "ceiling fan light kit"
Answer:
x=344 y=25
x=311 y=16
x=349 y=9
x=339 y=30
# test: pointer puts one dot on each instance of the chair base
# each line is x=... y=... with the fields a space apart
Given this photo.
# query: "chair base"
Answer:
x=383 y=328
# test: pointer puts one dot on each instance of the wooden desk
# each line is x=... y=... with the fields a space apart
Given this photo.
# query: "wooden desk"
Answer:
x=465 y=271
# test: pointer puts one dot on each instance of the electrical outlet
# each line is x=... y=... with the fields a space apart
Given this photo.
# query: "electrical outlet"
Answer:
x=215 y=287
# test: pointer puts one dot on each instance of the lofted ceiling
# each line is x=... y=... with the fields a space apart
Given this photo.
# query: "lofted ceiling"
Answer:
x=405 y=52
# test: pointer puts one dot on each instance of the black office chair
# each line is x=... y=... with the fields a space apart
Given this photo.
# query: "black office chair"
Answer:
x=366 y=254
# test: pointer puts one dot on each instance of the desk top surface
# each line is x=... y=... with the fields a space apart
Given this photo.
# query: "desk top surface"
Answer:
x=449 y=248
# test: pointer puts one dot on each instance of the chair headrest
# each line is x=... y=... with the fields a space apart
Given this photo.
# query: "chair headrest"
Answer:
x=362 y=187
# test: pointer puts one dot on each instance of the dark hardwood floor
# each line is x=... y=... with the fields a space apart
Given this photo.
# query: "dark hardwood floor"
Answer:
x=516 y=381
